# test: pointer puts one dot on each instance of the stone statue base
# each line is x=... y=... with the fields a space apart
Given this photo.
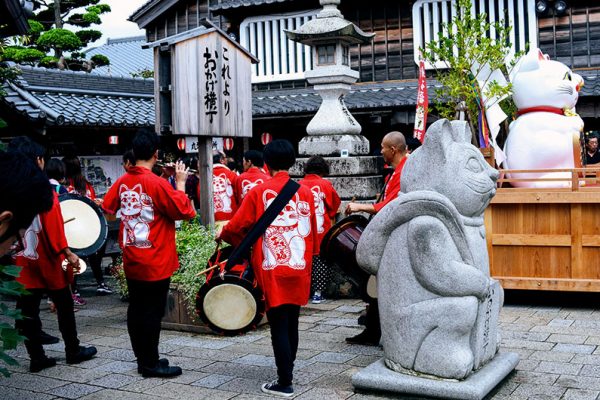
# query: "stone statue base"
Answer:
x=378 y=377
x=332 y=145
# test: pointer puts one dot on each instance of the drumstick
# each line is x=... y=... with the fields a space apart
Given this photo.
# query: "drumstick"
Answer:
x=207 y=270
x=69 y=220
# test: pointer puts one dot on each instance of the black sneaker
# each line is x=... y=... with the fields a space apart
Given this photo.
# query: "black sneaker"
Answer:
x=162 y=362
x=365 y=338
x=102 y=289
x=275 y=389
x=84 y=354
x=41 y=363
x=161 y=371
x=46 y=338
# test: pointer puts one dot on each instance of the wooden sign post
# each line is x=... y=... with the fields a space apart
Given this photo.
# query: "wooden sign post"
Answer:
x=208 y=77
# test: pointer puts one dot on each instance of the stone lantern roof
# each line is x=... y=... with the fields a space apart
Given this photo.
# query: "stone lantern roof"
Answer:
x=329 y=25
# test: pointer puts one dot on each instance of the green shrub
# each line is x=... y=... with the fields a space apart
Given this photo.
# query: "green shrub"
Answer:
x=62 y=39
x=100 y=60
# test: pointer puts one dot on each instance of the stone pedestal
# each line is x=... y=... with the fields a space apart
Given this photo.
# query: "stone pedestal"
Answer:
x=380 y=378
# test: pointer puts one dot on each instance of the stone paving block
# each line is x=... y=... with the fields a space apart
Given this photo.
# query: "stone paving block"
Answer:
x=590 y=370
x=246 y=396
x=323 y=328
x=593 y=340
x=9 y=393
x=527 y=365
x=304 y=326
x=578 y=382
x=109 y=394
x=32 y=382
x=213 y=380
x=120 y=355
x=538 y=378
x=184 y=392
x=574 y=348
x=586 y=359
x=530 y=390
x=109 y=341
x=74 y=390
x=73 y=373
x=363 y=361
x=570 y=339
x=337 y=382
x=115 y=381
x=246 y=385
x=240 y=370
x=525 y=344
x=351 y=309
x=324 y=368
x=258 y=360
x=205 y=354
x=551 y=356
x=554 y=367
x=310 y=318
x=118 y=367
x=306 y=376
x=200 y=342
x=530 y=336
x=188 y=363
x=523 y=353
x=143 y=385
x=363 y=350
x=341 y=322
x=331 y=357
x=561 y=322
x=323 y=393
x=576 y=394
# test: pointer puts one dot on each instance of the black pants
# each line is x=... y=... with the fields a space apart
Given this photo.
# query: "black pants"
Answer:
x=31 y=325
x=284 y=337
x=147 y=302
x=372 y=323
x=321 y=274
x=95 y=262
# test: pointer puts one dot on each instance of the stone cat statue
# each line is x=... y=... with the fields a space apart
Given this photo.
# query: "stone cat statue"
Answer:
x=546 y=133
x=439 y=307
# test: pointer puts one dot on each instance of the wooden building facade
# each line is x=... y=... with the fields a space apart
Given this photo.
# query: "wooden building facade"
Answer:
x=389 y=63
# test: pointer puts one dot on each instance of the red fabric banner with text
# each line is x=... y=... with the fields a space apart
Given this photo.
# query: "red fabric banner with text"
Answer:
x=422 y=105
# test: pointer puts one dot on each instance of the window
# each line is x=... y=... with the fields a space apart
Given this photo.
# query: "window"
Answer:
x=326 y=54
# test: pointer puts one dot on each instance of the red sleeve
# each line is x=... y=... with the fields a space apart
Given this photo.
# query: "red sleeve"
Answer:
x=242 y=221
x=333 y=201
x=393 y=194
x=313 y=226
x=173 y=203
x=112 y=202
x=53 y=226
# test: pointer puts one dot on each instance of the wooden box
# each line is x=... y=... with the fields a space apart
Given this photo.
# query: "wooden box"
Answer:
x=176 y=316
x=547 y=239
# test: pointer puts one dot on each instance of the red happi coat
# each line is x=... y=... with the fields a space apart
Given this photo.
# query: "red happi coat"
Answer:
x=149 y=208
x=42 y=256
x=90 y=193
x=247 y=180
x=327 y=202
x=392 y=186
x=224 y=181
x=282 y=256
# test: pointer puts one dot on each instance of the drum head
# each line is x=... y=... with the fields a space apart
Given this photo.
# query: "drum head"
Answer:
x=230 y=306
x=86 y=228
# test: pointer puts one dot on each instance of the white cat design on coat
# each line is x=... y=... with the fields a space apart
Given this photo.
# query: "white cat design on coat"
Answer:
x=319 y=207
x=30 y=239
x=136 y=213
x=283 y=242
x=222 y=192
x=247 y=185
x=544 y=136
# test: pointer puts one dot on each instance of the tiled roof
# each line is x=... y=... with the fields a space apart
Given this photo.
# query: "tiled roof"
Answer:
x=361 y=97
x=78 y=98
x=227 y=4
x=126 y=57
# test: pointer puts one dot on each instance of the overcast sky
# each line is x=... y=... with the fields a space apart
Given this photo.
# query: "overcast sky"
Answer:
x=114 y=24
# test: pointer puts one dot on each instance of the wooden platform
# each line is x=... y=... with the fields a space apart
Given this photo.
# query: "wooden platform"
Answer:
x=546 y=239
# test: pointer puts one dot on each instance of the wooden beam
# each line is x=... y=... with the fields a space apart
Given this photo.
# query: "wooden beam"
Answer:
x=530 y=240
x=571 y=285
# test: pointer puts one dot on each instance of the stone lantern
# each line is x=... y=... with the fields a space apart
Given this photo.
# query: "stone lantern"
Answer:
x=333 y=130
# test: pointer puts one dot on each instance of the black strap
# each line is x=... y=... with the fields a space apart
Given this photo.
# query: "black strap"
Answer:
x=263 y=223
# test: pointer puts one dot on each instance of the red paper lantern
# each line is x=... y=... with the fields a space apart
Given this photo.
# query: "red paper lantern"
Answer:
x=228 y=144
x=181 y=144
x=113 y=140
x=266 y=138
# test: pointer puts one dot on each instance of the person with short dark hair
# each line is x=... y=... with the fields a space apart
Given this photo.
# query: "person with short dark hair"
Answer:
x=45 y=248
x=252 y=176
x=592 y=155
x=128 y=160
x=149 y=208
x=26 y=193
x=55 y=170
x=327 y=203
x=281 y=258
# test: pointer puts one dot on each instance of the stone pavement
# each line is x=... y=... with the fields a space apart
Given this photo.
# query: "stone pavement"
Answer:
x=557 y=340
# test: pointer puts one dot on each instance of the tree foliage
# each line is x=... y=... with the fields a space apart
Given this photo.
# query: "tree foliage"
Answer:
x=49 y=34
x=9 y=336
x=462 y=51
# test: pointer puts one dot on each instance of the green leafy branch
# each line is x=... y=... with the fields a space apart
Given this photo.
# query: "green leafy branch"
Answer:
x=9 y=336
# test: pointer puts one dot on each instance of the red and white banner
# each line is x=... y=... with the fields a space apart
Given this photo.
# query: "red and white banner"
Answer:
x=113 y=140
x=422 y=104
x=266 y=138
x=228 y=144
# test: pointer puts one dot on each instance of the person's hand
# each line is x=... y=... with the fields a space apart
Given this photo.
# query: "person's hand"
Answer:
x=181 y=174
x=73 y=259
x=98 y=201
x=352 y=208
